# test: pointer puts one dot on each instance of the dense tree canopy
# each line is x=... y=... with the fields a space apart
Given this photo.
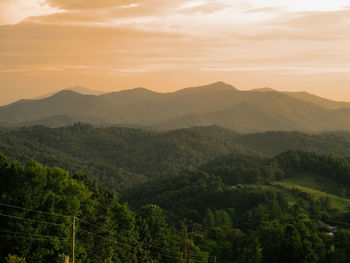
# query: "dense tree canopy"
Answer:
x=37 y=205
x=121 y=158
x=190 y=195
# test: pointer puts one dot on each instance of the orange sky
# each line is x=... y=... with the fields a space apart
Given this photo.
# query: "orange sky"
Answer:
x=46 y=45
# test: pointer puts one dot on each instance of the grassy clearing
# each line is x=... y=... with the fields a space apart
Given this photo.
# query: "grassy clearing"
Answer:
x=319 y=183
x=318 y=187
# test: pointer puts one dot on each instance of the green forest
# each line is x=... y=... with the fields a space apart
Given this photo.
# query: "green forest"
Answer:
x=121 y=158
x=203 y=194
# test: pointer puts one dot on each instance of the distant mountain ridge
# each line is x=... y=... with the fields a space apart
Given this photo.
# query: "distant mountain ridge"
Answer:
x=214 y=104
x=77 y=88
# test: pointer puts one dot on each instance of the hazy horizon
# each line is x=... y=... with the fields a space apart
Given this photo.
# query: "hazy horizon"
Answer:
x=100 y=91
x=49 y=45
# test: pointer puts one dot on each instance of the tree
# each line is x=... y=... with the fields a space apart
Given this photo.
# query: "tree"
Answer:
x=342 y=247
x=15 y=259
x=155 y=235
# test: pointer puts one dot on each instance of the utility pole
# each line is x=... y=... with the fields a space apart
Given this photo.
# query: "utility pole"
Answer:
x=188 y=256
x=184 y=239
x=214 y=259
x=73 y=237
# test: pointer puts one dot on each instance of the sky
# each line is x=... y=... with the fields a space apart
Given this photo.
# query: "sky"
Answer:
x=162 y=45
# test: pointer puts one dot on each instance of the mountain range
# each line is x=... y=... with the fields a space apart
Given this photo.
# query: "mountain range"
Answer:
x=77 y=88
x=215 y=104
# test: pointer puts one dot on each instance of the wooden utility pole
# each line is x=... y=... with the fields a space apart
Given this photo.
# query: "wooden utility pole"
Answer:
x=184 y=239
x=214 y=259
x=73 y=238
x=188 y=256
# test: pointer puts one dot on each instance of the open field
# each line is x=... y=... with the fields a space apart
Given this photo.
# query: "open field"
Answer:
x=318 y=186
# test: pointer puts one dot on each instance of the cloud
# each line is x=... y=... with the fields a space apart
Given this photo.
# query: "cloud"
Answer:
x=299 y=5
x=29 y=44
x=282 y=69
x=87 y=38
x=86 y=4
x=151 y=5
x=14 y=11
x=160 y=43
x=202 y=6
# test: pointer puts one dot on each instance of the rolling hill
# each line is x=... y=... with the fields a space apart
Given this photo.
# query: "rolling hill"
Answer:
x=214 y=104
x=77 y=89
x=122 y=157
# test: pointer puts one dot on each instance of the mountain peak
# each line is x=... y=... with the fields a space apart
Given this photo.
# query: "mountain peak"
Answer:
x=213 y=104
x=265 y=89
x=219 y=85
x=66 y=92
x=77 y=89
x=85 y=91
x=216 y=86
x=139 y=91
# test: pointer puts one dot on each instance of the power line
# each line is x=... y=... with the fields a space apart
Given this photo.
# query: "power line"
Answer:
x=109 y=239
x=127 y=245
x=33 y=210
x=171 y=251
x=66 y=216
x=24 y=237
x=47 y=238
x=34 y=235
x=114 y=233
x=32 y=220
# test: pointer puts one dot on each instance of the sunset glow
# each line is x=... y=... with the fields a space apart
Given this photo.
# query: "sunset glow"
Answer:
x=167 y=45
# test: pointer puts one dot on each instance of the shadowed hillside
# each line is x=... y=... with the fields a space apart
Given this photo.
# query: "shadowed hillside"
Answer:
x=214 y=104
x=123 y=157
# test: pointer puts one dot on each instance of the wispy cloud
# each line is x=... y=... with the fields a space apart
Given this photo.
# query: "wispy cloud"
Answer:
x=15 y=11
x=131 y=42
x=288 y=70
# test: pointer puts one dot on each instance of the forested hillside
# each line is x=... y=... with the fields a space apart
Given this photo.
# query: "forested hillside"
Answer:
x=125 y=157
x=37 y=205
x=240 y=212
x=229 y=210
x=117 y=157
x=214 y=104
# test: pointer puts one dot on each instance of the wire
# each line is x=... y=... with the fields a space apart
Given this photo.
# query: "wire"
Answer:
x=171 y=251
x=66 y=216
x=124 y=244
x=27 y=234
x=32 y=220
x=32 y=210
x=127 y=245
x=31 y=238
